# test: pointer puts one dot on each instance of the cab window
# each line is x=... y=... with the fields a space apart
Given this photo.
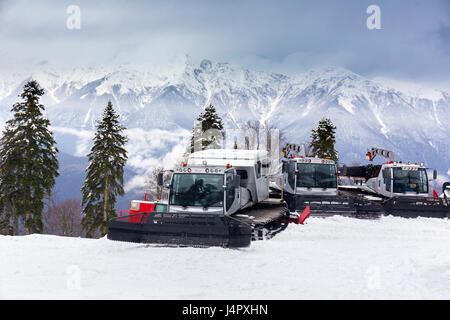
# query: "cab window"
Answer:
x=258 y=169
x=387 y=178
x=291 y=174
x=230 y=191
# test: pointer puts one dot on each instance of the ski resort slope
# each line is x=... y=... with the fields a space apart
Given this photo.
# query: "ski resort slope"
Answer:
x=334 y=258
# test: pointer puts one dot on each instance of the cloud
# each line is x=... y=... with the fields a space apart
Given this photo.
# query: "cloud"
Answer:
x=444 y=35
x=287 y=36
x=146 y=149
x=82 y=139
x=137 y=182
x=167 y=148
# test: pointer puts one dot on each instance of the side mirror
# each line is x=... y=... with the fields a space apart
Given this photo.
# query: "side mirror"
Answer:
x=434 y=174
x=284 y=167
x=160 y=179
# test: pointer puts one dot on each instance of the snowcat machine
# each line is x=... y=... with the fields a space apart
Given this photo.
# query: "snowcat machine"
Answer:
x=216 y=198
x=403 y=189
x=312 y=183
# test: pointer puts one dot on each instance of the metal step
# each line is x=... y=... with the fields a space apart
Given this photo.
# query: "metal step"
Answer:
x=327 y=206
x=413 y=207
x=266 y=219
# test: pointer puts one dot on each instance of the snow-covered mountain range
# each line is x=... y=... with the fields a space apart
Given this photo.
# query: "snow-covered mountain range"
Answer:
x=159 y=109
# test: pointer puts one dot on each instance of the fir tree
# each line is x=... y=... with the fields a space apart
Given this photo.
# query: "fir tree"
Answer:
x=323 y=139
x=209 y=122
x=104 y=175
x=5 y=225
x=29 y=165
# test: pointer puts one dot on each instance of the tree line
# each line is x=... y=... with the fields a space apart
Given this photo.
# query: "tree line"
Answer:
x=29 y=167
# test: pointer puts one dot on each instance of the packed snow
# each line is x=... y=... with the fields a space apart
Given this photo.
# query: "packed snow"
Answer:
x=334 y=258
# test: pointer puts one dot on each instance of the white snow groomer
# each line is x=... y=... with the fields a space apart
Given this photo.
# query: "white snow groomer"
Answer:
x=312 y=183
x=403 y=189
x=216 y=198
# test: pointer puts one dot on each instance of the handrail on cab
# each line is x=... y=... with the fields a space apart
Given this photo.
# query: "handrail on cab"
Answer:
x=138 y=218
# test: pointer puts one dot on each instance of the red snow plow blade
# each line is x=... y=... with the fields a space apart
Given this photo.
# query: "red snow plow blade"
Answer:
x=305 y=215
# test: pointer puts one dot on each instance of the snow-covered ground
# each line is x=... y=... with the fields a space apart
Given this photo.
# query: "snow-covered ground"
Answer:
x=334 y=258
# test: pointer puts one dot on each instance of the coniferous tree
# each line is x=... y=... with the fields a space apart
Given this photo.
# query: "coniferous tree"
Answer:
x=28 y=162
x=5 y=225
x=323 y=139
x=208 y=121
x=104 y=175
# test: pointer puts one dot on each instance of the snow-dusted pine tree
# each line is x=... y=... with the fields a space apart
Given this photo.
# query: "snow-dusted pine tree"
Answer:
x=323 y=139
x=28 y=162
x=104 y=175
x=208 y=131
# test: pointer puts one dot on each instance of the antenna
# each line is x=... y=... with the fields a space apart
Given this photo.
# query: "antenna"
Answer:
x=291 y=149
x=390 y=155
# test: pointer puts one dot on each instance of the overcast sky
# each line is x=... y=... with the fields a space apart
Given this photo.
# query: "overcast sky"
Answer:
x=283 y=35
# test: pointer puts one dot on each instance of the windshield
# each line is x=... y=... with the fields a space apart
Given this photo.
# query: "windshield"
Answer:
x=203 y=190
x=410 y=181
x=159 y=207
x=315 y=175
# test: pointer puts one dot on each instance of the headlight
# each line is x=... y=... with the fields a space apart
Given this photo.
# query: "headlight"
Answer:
x=135 y=206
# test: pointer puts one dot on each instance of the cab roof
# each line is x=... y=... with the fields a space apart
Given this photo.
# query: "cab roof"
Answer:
x=312 y=160
x=223 y=157
x=231 y=154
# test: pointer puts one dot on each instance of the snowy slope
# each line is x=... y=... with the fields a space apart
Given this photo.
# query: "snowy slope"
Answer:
x=335 y=258
x=159 y=108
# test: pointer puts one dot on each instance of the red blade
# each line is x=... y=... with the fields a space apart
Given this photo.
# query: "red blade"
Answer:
x=305 y=215
x=435 y=195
